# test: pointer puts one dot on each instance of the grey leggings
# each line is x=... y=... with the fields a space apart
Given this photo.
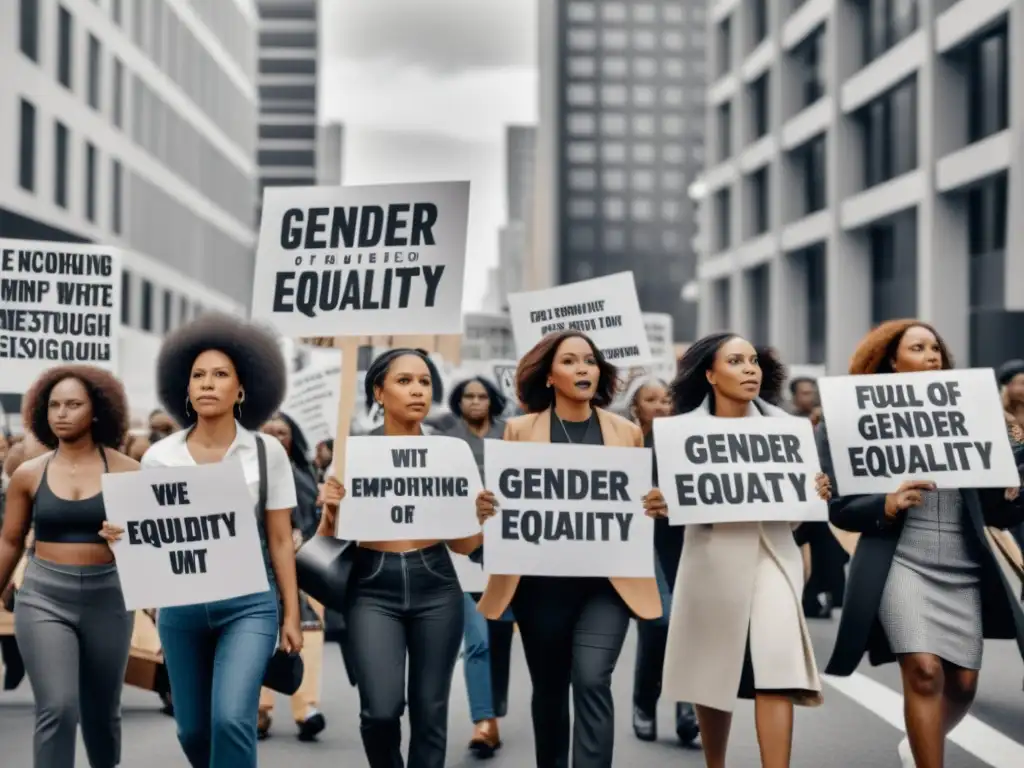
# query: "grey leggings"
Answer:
x=74 y=635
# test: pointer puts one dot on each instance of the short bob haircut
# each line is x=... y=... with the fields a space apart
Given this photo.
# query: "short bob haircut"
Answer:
x=497 y=400
x=253 y=351
x=877 y=349
x=690 y=387
x=377 y=371
x=535 y=366
x=106 y=394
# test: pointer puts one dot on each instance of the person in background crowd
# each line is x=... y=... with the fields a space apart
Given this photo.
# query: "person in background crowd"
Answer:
x=477 y=406
x=572 y=628
x=925 y=587
x=161 y=425
x=823 y=591
x=71 y=625
x=406 y=603
x=323 y=458
x=224 y=378
x=1011 y=380
x=305 y=518
x=135 y=446
x=647 y=399
x=736 y=629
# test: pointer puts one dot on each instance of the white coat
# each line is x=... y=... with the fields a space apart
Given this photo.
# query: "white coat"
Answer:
x=734 y=578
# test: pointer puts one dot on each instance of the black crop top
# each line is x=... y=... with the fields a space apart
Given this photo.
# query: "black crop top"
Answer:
x=63 y=521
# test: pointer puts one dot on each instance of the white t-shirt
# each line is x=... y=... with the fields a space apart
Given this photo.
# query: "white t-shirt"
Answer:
x=172 y=452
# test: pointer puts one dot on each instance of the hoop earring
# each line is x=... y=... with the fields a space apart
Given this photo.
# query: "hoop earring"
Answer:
x=187 y=414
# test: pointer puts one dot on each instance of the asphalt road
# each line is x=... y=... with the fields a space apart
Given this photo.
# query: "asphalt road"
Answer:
x=858 y=726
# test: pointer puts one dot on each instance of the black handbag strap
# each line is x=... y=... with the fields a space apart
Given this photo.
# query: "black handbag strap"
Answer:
x=261 y=459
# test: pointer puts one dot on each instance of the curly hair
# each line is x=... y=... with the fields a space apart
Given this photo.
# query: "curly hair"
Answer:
x=690 y=387
x=254 y=351
x=877 y=349
x=535 y=366
x=377 y=371
x=106 y=395
x=497 y=401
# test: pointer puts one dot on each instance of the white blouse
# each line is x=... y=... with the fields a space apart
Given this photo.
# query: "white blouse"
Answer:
x=173 y=452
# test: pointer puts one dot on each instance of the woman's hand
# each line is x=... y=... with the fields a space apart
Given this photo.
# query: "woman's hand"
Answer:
x=111 y=533
x=291 y=635
x=297 y=539
x=1012 y=494
x=823 y=486
x=654 y=504
x=486 y=506
x=332 y=492
x=910 y=494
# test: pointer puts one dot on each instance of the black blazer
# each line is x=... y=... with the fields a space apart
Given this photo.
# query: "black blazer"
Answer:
x=859 y=628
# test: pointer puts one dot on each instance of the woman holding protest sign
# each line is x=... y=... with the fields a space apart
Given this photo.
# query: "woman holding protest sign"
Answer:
x=405 y=602
x=737 y=628
x=477 y=406
x=572 y=628
x=647 y=398
x=924 y=586
x=71 y=624
x=223 y=378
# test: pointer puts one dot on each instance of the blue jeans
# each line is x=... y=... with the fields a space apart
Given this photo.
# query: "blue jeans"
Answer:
x=476 y=663
x=216 y=656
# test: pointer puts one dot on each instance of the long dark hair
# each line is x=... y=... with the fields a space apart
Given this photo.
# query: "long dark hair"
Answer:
x=690 y=387
x=532 y=373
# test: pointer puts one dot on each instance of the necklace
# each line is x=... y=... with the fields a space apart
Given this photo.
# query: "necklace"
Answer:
x=568 y=437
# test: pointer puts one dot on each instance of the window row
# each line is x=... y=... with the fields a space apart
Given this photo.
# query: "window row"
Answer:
x=161 y=310
x=617 y=180
x=189 y=154
x=617 y=124
x=588 y=39
x=640 y=67
x=64 y=160
x=640 y=153
x=643 y=96
x=584 y=11
x=585 y=239
x=640 y=209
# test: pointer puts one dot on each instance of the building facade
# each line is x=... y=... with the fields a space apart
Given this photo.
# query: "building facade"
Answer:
x=620 y=139
x=514 y=237
x=133 y=123
x=861 y=168
x=289 y=64
x=330 y=154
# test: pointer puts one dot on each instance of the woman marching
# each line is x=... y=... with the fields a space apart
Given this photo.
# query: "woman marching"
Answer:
x=477 y=406
x=924 y=586
x=406 y=603
x=223 y=378
x=737 y=628
x=572 y=628
x=647 y=399
x=71 y=624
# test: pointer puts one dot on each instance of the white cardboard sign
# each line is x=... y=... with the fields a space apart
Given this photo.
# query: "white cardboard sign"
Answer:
x=190 y=535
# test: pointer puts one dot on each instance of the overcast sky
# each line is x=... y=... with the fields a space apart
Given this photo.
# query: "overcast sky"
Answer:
x=425 y=89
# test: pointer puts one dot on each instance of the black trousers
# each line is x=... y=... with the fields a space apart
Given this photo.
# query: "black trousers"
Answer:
x=651 y=639
x=499 y=635
x=827 y=560
x=572 y=631
x=404 y=605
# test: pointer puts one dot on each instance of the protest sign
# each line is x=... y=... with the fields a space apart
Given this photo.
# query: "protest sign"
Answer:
x=409 y=488
x=659 y=328
x=312 y=399
x=60 y=303
x=944 y=426
x=715 y=470
x=561 y=512
x=350 y=261
x=505 y=376
x=190 y=535
x=471 y=575
x=605 y=308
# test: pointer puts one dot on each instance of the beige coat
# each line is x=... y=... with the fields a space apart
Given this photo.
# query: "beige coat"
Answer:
x=731 y=578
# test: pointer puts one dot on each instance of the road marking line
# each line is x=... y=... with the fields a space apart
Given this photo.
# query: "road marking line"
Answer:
x=975 y=737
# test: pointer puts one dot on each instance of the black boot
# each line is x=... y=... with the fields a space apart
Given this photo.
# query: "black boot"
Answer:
x=645 y=726
x=687 y=728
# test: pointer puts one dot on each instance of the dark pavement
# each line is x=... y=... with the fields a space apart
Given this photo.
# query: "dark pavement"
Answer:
x=858 y=726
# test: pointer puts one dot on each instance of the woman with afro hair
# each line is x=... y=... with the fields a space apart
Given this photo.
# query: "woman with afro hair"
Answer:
x=737 y=625
x=70 y=621
x=924 y=586
x=405 y=604
x=222 y=378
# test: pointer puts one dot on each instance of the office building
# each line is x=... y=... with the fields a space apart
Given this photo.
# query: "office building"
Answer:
x=133 y=123
x=862 y=167
x=289 y=63
x=620 y=139
x=514 y=237
x=330 y=152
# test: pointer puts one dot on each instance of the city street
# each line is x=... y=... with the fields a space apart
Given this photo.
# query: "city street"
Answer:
x=858 y=725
